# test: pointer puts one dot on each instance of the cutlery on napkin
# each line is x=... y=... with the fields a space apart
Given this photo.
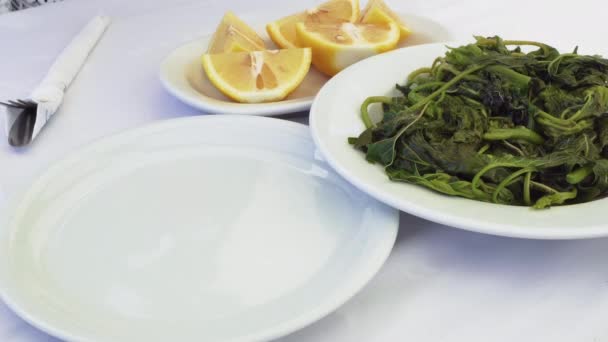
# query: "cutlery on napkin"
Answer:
x=25 y=119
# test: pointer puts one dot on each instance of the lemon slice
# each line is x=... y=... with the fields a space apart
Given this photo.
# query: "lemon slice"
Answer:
x=233 y=35
x=377 y=12
x=283 y=31
x=336 y=46
x=257 y=76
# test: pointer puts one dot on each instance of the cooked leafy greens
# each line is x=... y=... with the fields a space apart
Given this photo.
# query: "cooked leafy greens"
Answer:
x=493 y=123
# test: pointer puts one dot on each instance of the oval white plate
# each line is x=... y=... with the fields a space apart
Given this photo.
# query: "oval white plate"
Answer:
x=214 y=228
x=182 y=74
x=335 y=116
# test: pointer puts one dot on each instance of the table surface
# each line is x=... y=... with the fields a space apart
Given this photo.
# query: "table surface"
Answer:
x=440 y=283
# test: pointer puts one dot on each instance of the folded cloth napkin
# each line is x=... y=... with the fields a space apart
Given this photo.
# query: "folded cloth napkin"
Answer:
x=49 y=93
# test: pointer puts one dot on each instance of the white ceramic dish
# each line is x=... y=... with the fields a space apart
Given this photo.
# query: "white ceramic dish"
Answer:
x=182 y=75
x=214 y=228
x=335 y=116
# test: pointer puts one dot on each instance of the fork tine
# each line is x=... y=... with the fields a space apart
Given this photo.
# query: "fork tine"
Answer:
x=13 y=104
x=21 y=131
x=21 y=104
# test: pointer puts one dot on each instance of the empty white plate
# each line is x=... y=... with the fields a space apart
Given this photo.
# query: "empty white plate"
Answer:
x=213 y=228
x=182 y=74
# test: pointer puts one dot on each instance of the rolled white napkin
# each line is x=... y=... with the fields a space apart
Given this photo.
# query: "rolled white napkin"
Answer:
x=49 y=93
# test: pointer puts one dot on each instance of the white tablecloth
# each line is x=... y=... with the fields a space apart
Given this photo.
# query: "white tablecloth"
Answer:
x=440 y=283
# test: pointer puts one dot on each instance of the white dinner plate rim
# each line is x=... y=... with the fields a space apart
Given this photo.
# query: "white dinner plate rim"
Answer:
x=380 y=252
x=425 y=212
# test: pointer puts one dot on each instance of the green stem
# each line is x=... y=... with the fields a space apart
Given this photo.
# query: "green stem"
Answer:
x=514 y=148
x=446 y=86
x=588 y=102
x=473 y=102
x=372 y=99
x=525 y=42
x=483 y=149
x=545 y=47
x=473 y=78
x=526 y=189
x=579 y=174
x=543 y=187
x=569 y=110
x=417 y=72
x=571 y=129
x=447 y=67
x=477 y=178
x=403 y=130
x=508 y=180
x=554 y=119
x=511 y=75
x=519 y=133
x=427 y=85
x=436 y=62
x=543 y=121
x=552 y=68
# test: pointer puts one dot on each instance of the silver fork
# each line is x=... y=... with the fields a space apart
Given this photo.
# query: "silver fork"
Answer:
x=26 y=118
x=21 y=4
x=21 y=131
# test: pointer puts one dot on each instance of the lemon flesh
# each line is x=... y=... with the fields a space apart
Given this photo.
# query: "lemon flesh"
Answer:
x=283 y=31
x=336 y=46
x=234 y=35
x=258 y=76
x=377 y=12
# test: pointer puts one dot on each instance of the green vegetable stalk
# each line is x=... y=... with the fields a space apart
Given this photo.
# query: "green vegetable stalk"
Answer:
x=504 y=121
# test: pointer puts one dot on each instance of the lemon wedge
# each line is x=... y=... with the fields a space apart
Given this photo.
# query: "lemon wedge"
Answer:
x=336 y=46
x=283 y=31
x=377 y=12
x=258 y=76
x=233 y=35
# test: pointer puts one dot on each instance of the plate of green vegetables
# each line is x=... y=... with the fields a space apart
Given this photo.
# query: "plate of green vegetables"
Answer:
x=506 y=137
